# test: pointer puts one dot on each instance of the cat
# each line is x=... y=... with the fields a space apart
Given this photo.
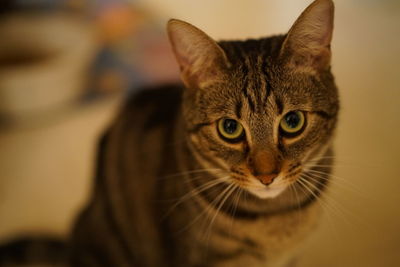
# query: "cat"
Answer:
x=225 y=169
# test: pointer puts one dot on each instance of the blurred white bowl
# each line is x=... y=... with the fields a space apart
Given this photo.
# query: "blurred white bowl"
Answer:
x=44 y=62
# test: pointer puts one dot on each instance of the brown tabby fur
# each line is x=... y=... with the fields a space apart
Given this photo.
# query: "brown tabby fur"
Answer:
x=159 y=199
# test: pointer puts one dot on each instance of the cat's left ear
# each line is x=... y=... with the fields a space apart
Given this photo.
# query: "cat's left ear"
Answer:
x=200 y=58
x=307 y=45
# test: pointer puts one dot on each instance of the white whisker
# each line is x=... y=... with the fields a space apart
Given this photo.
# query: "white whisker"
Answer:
x=226 y=193
x=347 y=183
x=334 y=205
x=235 y=204
x=194 y=192
x=191 y=172
x=209 y=207
x=323 y=205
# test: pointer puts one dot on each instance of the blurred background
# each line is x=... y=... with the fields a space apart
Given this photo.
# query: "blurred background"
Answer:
x=66 y=66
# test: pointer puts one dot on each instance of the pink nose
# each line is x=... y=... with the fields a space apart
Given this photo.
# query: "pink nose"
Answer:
x=267 y=178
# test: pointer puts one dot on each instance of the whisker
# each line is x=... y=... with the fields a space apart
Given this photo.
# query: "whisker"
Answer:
x=227 y=192
x=321 y=174
x=344 y=184
x=294 y=189
x=317 y=159
x=188 y=180
x=335 y=161
x=205 y=210
x=232 y=188
x=340 y=207
x=339 y=161
x=235 y=205
x=319 y=165
x=323 y=205
x=194 y=192
x=332 y=180
x=335 y=206
x=190 y=172
x=307 y=185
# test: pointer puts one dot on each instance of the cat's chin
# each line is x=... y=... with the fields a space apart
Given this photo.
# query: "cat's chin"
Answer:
x=266 y=192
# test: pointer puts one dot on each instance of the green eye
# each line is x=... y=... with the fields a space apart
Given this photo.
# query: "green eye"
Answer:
x=292 y=123
x=230 y=130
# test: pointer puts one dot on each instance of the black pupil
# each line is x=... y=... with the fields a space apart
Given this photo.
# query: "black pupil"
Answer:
x=292 y=120
x=230 y=126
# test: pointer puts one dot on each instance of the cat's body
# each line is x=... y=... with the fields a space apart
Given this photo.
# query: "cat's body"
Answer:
x=175 y=189
x=130 y=222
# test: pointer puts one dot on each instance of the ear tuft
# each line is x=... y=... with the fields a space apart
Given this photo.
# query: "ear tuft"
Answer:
x=200 y=58
x=308 y=42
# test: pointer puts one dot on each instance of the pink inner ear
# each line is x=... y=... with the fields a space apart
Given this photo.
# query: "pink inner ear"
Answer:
x=194 y=78
x=180 y=48
x=182 y=61
x=189 y=44
x=199 y=57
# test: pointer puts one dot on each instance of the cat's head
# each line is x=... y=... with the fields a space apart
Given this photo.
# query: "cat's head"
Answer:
x=261 y=110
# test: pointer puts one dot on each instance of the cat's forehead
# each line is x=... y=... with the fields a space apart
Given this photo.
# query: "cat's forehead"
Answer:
x=257 y=75
x=257 y=83
x=237 y=51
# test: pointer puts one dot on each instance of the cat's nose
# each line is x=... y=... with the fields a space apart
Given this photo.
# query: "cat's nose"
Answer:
x=264 y=165
x=267 y=179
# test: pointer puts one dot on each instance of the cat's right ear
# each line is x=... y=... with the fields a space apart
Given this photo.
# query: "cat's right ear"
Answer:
x=200 y=58
x=307 y=45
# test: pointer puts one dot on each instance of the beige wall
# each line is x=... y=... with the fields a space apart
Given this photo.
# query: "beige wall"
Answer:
x=231 y=18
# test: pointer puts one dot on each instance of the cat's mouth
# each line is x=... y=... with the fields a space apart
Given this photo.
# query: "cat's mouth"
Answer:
x=258 y=189
x=267 y=191
x=255 y=185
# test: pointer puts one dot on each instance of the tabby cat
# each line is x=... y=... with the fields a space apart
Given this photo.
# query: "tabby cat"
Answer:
x=225 y=169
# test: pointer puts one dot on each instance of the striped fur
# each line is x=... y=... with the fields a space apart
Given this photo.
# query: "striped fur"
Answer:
x=170 y=192
x=34 y=251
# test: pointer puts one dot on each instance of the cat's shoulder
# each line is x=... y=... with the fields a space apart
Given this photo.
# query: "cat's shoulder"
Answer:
x=159 y=96
x=154 y=105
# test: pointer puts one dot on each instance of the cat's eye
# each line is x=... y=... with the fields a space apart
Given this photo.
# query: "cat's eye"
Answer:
x=230 y=130
x=292 y=123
